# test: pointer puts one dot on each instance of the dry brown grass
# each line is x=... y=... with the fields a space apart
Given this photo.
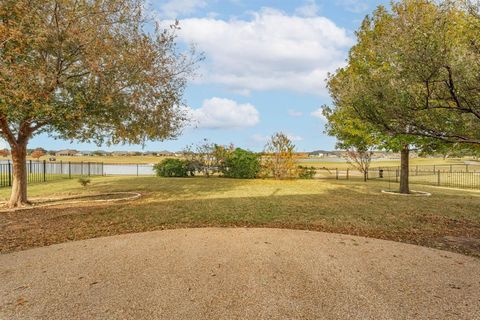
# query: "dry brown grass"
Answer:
x=334 y=206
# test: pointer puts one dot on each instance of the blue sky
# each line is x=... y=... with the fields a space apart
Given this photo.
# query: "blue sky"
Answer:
x=266 y=62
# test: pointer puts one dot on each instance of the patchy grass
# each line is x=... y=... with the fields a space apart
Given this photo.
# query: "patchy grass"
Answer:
x=327 y=205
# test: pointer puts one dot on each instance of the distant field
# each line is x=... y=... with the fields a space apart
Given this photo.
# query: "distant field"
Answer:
x=320 y=164
x=390 y=163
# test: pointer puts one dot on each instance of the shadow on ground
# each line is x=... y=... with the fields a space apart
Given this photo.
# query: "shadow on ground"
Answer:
x=357 y=210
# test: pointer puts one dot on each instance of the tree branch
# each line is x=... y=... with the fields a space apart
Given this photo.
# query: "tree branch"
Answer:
x=7 y=133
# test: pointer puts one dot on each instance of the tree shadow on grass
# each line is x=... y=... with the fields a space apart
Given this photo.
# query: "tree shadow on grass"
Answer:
x=352 y=211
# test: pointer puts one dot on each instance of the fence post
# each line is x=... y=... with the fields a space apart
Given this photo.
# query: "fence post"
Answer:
x=61 y=167
x=81 y=168
x=347 y=173
x=103 y=172
x=9 y=174
x=396 y=175
x=89 y=168
x=69 y=169
x=466 y=167
x=434 y=169
x=451 y=169
x=31 y=166
x=438 y=177
x=137 y=169
x=336 y=173
x=44 y=170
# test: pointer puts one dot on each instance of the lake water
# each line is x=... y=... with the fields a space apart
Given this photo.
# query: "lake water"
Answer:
x=128 y=169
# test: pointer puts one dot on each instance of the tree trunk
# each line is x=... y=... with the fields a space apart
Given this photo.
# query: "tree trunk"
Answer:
x=18 y=197
x=365 y=175
x=404 y=170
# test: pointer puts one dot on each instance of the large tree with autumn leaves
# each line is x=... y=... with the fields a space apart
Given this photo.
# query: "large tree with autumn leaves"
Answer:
x=412 y=79
x=90 y=70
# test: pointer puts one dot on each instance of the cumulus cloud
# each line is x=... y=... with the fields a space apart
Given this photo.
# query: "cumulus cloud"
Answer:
x=218 y=113
x=175 y=8
x=269 y=51
x=319 y=114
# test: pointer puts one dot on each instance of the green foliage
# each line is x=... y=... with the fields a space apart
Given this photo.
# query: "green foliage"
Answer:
x=84 y=181
x=93 y=74
x=207 y=158
x=171 y=167
x=219 y=155
x=412 y=76
x=89 y=71
x=241 y=164
x=306 y=172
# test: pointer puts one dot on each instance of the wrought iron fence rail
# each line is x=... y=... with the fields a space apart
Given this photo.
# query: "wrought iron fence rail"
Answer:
x=42 y=171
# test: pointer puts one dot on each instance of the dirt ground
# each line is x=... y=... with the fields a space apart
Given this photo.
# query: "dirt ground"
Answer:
x=238 y=273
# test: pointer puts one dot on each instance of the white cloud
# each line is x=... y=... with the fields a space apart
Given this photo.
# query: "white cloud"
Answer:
x=174 y=8
x=270 y=51
x=310 y=9
x=294 y=113
x=218 y=113
x=319 y=114
x=355 y=6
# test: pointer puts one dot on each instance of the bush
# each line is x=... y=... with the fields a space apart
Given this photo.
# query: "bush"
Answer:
x=241 y=164
x=306 y=172
x=84 y=181
x=173 y=168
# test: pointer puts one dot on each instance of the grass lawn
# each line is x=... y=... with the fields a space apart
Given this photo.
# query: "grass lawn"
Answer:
x=449 y=219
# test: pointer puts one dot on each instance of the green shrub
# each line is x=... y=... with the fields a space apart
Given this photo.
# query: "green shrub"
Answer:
x=84 y=181
x=241 y=164
x=306 y=172
x=171 y=167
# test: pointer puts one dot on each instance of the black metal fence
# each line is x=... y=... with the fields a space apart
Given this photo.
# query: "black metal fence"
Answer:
x=455 y=176
x=42 y=171
x=434 y=177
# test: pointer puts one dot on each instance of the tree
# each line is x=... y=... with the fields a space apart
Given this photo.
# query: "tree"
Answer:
x=37 y=154
x=241 y=164
x=86 y=70
x=412 y=78
x=360 y=159
x=280 y=161
x=420 y=64
x=201 y=158
x=354 y=135
x=221 y=155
